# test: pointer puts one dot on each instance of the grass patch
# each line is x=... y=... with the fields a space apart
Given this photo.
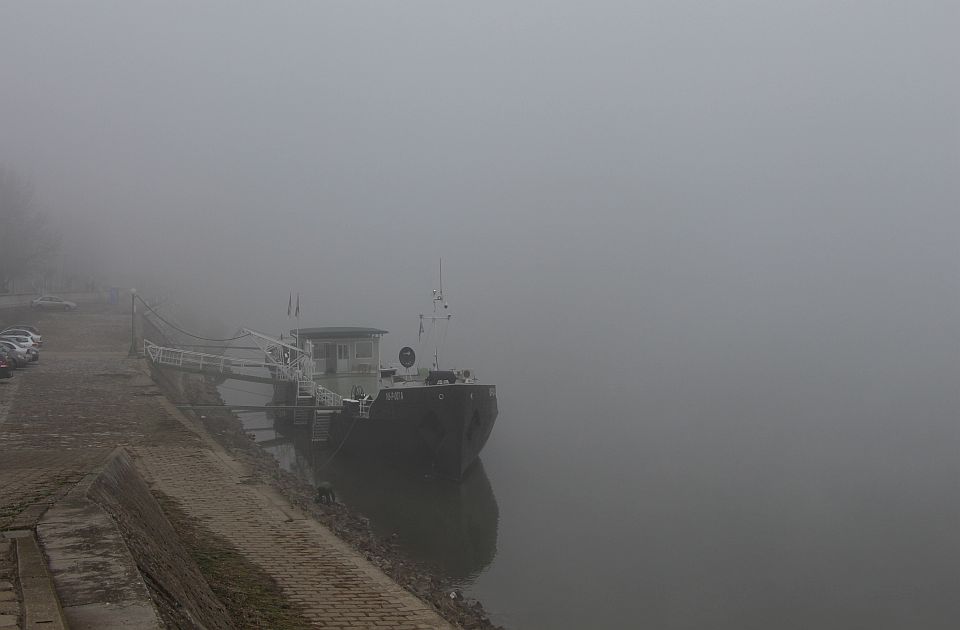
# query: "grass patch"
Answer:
x=251 y=596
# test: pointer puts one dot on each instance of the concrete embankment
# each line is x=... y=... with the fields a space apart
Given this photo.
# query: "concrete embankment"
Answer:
x=144 y=521
x=114 y=517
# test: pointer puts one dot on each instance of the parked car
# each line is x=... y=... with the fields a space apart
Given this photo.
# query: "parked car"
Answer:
x=11 y=357
x=53 y=302
x=25 y=344
x=29 y=327
x=19 y=355
x=35 y=337
x=22 y=340
x=6 y=366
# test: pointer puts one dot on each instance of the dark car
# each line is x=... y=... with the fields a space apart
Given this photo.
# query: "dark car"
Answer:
x=21 y=357
x=6 y=367
x=9 y=358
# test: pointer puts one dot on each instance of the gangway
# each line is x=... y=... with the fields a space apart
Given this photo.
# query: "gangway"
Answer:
x=283 y=362
x=204 y=363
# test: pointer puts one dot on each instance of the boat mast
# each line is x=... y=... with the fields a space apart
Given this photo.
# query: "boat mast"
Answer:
x=437 y=299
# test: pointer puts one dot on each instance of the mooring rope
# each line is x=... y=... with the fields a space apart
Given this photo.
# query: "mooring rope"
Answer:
x=181 y=330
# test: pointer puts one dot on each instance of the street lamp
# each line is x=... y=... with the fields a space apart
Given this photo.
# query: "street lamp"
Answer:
x=133 y=323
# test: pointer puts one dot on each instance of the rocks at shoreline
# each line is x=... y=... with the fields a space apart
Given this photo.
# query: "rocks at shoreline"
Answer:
x=352 y=527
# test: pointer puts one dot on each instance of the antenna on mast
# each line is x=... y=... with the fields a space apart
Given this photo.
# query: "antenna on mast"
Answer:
x=437 y=299
x=438 y=293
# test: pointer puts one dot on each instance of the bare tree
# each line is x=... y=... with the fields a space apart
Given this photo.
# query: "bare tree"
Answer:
x=27 y=242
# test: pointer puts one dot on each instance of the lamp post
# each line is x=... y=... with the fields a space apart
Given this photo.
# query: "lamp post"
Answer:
x=133 y=323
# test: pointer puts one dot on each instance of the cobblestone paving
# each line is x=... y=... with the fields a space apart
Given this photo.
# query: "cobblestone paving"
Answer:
x=337 y=588
x=8 y=393
x=61 y=418
x=52 y=416
x=52 y=431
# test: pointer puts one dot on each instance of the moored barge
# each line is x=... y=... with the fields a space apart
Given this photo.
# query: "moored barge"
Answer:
x=430 y=420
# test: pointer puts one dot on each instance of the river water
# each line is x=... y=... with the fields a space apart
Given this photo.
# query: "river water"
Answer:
x=768 y=496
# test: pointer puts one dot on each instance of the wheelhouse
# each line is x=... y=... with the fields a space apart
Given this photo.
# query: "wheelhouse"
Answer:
x=345 y=359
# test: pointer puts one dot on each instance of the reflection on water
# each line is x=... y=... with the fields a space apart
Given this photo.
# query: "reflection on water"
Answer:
x=451 y=527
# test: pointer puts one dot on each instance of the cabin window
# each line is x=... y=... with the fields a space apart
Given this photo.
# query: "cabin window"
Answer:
x=319 y=351
x=364 y=350
x=343 y=351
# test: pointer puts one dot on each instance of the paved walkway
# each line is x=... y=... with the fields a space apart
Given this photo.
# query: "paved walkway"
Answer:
x=336 y=587
x=62 y=418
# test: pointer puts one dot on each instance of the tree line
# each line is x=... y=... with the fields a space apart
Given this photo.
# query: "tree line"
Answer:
x=28 y=243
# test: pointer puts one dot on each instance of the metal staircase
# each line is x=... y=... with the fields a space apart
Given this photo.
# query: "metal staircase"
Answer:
x=321 y=427
x=305 y=403
x=311 y=395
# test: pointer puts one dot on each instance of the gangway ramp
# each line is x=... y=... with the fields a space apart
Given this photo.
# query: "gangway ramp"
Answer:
x=219 y=365
x=313 y=404
x=298 y=368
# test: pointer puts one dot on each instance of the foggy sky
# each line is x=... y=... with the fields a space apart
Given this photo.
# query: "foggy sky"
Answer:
x=707 y=251
x=614 y=183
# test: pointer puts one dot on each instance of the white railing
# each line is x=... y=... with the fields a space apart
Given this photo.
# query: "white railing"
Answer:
x=306 y=388
x=201 y=361
x=175 y=357
x=365 y=404
x=328 y=398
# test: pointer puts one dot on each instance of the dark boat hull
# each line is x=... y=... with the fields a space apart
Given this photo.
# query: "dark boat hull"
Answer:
x=434 y=429
x=451 y=526
x=439 y=429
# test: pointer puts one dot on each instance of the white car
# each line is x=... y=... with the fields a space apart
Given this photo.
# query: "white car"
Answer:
x=53 y=302
x=36 y=338
x=32 y=329
x=22 y=340
x=27 y=352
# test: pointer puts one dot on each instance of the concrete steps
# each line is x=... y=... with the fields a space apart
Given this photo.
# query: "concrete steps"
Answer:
x=39 y=604
x=9 y=595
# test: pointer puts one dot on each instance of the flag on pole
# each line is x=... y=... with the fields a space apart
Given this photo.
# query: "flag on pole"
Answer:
x=420 y=334
x=290 y=304
x=298 y=305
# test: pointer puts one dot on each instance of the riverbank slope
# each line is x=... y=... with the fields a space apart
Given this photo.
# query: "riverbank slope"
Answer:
x=145 y=519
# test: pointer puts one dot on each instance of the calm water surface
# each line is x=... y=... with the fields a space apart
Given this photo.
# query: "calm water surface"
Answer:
x=775 y=498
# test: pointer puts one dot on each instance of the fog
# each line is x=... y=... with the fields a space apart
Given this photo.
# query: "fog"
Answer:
x=673 y=233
